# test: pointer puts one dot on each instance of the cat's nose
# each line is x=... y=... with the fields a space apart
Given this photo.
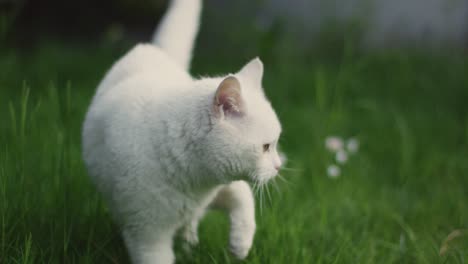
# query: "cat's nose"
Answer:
x=277 y=163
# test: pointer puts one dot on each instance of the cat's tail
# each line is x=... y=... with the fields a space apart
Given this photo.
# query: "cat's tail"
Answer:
x=178 y=29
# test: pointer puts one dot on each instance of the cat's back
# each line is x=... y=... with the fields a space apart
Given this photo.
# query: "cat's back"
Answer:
x=145 y=74
x=150 y=64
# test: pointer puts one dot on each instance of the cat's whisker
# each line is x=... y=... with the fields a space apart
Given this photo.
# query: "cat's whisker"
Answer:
x=291 y=169
x=288 y=184
x=289 y=160
x=281 y=177
x=260 y=203
x=275 y=185
x=267 y=188
x=261 y=198
x=256 y=188
x=258 y=193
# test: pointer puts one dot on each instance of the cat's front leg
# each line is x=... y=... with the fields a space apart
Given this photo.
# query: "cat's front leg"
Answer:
x=237 y=199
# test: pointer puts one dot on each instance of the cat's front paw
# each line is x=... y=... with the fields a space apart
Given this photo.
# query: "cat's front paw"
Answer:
x=190 y=236
x=240 y=243
x=240 y=250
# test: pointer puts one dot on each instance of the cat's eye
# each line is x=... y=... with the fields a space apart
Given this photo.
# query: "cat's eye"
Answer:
x=266 y=147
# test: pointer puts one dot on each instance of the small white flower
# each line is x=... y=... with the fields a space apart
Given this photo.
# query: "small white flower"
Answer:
x=333 y=144
x=333 y=171
x=341 y=156
x=352 y=145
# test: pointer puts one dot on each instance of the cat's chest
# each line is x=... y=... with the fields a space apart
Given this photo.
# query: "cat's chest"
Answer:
x=174 y=147
x=195 y=202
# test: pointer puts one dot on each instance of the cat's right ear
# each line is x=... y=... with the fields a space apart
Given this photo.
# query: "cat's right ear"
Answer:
x=228 y=99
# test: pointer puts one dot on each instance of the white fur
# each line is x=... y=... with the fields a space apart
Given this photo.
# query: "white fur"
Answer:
x=161 y=151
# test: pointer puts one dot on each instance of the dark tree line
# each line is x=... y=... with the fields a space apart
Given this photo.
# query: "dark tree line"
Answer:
x=76 y=17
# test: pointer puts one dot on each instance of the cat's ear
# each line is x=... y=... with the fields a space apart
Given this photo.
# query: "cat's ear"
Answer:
x=253 y=71
x=228 y=99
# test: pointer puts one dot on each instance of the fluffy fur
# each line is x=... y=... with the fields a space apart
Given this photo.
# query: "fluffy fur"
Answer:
x=162 y=147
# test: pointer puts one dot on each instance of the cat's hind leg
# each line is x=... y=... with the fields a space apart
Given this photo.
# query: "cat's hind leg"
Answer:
x=237 y=199
x=151 y=248
x=190 y=230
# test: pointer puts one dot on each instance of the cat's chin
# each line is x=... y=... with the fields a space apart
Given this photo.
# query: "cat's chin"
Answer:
x=245 y=177
x=253 y=180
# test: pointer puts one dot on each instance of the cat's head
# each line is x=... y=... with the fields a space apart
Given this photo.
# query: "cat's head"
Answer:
x=246 y=127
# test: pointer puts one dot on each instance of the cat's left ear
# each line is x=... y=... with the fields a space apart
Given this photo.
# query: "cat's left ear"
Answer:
x=253 y=71
x=228 y=99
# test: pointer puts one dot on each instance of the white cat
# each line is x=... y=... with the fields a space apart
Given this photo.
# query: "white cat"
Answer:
x=162 y=146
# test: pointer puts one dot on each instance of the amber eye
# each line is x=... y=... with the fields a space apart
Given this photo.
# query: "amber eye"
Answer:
x=266 y=147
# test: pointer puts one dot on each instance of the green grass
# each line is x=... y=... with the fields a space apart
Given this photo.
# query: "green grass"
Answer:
x=396 y=201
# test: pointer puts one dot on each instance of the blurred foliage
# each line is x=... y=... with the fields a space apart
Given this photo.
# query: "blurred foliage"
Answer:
x=141 y=8
x=9 y=10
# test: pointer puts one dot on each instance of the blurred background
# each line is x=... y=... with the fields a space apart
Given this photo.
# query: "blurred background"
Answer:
x=379 y=23
x=372 y=96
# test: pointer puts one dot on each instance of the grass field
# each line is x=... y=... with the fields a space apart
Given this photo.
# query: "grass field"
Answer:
x=397 y=200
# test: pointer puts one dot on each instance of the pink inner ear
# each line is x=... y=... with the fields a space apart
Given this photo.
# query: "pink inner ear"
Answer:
x=228 y=98
x=229 y=103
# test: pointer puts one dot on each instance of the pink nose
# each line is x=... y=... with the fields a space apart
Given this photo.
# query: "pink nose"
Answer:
x=278 y=167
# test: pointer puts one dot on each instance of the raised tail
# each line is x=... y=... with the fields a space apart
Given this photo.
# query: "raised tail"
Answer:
x=178 y=29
